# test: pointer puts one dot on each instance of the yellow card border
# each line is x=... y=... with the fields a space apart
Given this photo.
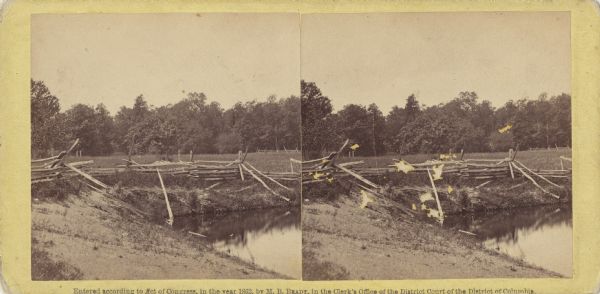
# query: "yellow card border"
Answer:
x=15 y=197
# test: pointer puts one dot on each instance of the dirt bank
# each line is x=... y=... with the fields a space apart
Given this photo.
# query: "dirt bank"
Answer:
x=343 y=241
x=196 y=196
x=460 y=195
x=186 y=201
x=92 y=236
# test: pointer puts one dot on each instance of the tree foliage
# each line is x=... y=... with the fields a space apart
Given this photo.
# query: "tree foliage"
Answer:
x=192 y=124
x=318 y=124
x=45 y=119
x=93 y=126
x=464 y=123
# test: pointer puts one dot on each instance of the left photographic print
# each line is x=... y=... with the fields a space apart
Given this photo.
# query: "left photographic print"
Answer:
x=165 y=146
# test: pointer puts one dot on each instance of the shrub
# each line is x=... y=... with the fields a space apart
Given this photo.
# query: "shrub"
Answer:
x=58 y=189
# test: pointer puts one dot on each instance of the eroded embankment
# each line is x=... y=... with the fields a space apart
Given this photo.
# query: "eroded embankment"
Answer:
x=83 y=234
x=195 y=196
x=341 y=240
x=458 y=194
x=467 y=195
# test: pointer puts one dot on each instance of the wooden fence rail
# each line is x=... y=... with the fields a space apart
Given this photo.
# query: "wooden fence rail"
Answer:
x=49 y=169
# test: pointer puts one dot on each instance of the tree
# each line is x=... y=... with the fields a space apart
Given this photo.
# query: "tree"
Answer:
x=273 y=129
x=355 y=125
x=394 y=122
x=316 y=128
x=123 y=122
x=229 y=142
x=479 y=115
x=93 y=126
x=250 y=126
x=483 y=117
x=126 y=119
x=140 y=109
x=543 y=121
x=506 y=114
x=46 y=131
x=561 y=119
x=81 y=124
x=411 y=109
x=532 y=123
x=105 y=129
x=198 y=124
x=364 y=126
x=308 y=122
x=377 y=129
x=500 y=142
x=292 y=122
x=436 y=131
x=154 y=135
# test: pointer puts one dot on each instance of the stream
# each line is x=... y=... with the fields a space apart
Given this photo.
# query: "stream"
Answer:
x=269 y=238
x=541 y=236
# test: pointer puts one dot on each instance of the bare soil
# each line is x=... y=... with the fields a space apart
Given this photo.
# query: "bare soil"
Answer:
x=92 y=236
x=342 y=241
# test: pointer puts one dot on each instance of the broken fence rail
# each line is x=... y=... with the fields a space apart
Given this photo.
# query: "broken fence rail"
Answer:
x=49 y=169
x=325 y=169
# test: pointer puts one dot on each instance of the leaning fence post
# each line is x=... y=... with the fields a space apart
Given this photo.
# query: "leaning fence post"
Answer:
x=510 y=157
x=170 y=220
x=437 y=198
x=263 y=183
x=240 y=164
x=535 y=183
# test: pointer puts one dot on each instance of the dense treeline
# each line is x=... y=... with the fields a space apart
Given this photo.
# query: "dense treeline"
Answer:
x=192 y=124
x=465 y=122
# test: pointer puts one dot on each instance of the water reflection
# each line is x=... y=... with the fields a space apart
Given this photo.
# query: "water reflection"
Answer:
x=270 y=238
x=542 y=236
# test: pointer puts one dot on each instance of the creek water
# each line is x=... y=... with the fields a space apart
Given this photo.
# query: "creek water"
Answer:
x=269 y=238
x=542 y=236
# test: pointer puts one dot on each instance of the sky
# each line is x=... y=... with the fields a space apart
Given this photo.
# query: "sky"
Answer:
x=384 y=57
x=112 y=58
x=353 y=58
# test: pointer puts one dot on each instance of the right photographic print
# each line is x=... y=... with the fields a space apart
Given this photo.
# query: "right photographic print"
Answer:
x=436 y=145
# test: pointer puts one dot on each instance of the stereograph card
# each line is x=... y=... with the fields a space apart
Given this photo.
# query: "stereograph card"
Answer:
x=299 y=147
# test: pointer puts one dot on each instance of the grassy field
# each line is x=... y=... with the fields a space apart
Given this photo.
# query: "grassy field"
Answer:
x=535 y=159
x=279 y=161
x=264 y=161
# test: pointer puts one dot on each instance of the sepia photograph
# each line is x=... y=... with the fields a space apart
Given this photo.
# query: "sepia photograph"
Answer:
x=436 y=145
x=299 y=147
x=165 y=146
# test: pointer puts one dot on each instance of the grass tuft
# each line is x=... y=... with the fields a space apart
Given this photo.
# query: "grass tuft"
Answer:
x=43 y=268
x=58 y=189
x=313 y=269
